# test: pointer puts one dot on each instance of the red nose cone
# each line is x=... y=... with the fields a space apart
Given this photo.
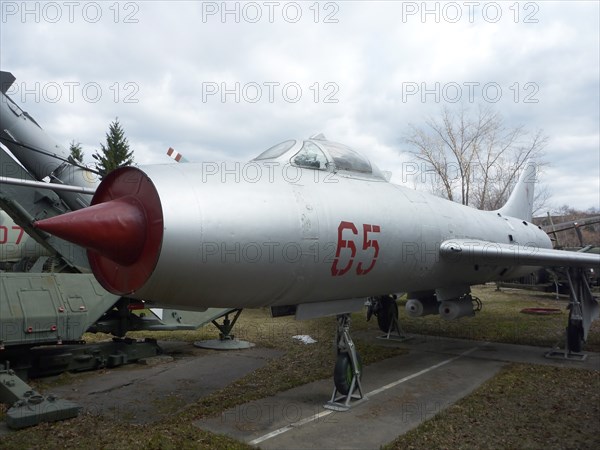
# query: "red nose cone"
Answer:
x=122 y=230
x=115 y=229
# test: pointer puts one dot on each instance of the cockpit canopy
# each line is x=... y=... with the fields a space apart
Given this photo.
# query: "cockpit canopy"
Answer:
x=321 y=154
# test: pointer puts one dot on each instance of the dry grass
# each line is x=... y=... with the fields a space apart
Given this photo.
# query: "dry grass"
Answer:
x=543 y=406
x=524 y=406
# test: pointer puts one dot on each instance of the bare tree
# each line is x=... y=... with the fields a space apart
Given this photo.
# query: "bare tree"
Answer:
x=541 y=200
x=475 y=159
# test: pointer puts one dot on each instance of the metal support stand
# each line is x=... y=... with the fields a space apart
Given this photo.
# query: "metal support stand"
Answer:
x=395 y=333
x=28 y=407
x=345 y=346
x=566 y=354
x=385 y=307
x=226 y=341
x=584 y=309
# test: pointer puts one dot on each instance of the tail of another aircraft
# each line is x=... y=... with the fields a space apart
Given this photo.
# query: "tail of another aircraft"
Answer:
x=520 y=202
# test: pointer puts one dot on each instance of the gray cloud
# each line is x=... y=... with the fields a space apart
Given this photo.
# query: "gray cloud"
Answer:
x=171 y=58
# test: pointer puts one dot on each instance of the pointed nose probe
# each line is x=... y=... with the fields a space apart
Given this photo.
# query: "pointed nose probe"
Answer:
x=122 y=230
x=115 y=229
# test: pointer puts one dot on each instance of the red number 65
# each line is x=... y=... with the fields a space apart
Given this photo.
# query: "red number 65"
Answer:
x=343 y=243
x=368 y=243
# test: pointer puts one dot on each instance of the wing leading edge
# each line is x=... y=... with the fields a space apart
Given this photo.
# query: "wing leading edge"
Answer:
x=473 y=251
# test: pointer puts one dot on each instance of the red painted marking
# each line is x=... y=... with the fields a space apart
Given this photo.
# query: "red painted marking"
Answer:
x=122 y=230
x=4 y=234
x=21 y=231
x=369 y=245
x=174 y=154
x=135 y=306
x=344 y=243
x=115 y=229
x=541 y=311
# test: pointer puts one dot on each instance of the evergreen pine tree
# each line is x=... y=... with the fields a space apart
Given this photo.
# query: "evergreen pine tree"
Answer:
x=115 y=153
x=76 y=152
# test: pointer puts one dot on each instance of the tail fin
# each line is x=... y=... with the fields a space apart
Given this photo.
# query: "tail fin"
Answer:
x=520 y=202
x=6 y=81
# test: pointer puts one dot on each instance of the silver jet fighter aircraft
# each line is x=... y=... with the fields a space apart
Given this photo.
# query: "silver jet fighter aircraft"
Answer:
x=309 y=227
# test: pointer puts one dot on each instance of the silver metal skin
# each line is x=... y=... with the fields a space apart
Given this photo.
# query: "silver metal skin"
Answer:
x=44 y=185
x=39 y=154
x=267 y=232
x=465 y=250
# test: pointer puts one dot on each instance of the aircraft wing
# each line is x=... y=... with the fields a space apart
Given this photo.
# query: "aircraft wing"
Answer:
x=475 y=251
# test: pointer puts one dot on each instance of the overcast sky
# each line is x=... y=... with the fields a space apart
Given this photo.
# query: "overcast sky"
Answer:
x=224 y=81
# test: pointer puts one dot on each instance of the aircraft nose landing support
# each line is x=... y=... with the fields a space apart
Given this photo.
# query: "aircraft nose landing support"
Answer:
x=309 y=227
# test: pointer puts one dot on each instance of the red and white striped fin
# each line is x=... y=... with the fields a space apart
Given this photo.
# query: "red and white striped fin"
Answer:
x=175 y=155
